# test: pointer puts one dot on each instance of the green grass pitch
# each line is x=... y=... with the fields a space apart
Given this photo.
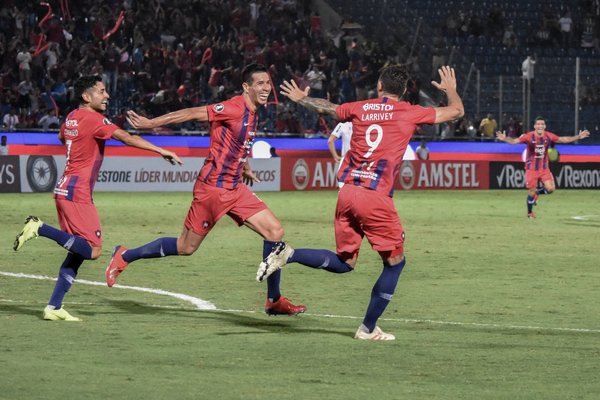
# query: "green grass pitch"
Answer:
x=491 y=305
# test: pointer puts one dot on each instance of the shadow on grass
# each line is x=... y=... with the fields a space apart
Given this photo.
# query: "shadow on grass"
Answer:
x=21 y=309
x=258 y=321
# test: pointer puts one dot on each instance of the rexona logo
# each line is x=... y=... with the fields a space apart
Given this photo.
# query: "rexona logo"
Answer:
x=510 y=177
x=407 y=175
x=300 y=174
x=579 y=176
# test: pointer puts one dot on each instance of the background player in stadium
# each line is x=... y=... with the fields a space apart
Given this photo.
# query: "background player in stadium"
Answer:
x=219 y=188
x=382 y=128
x=342 y=130
x=84 y=133
x=537 y=167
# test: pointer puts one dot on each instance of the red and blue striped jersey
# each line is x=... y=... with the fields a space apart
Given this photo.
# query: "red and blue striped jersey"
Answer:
x=85 y=133
x=381 y=128
x=537 y=149
x=232 y=131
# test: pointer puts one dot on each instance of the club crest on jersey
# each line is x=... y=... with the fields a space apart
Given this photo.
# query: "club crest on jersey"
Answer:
x=106 y=121
x=219 y=107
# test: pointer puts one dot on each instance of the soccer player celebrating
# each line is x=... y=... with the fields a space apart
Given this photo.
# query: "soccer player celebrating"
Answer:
x=84 y=134
x=220 y=188
x=537 y=167
x=382 y=128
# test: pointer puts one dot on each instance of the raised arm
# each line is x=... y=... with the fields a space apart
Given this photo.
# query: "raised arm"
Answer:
x=294 y=93
x=175 y=117
x=447 y=84
x=141 y=143
x=571 y=139
x=502 y=137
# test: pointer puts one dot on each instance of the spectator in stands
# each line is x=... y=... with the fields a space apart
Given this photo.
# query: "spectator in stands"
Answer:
x=24 y=89
x=52 y=55
x=512 y=128
x=527 y=69
x=510 y=37
x=24 y=60
x=315 y=78
x=10 y=120
x=3 y=146
x=423 y=151
x=566 y=29
x=49 y=121
x=438 y=59
x=488 y=126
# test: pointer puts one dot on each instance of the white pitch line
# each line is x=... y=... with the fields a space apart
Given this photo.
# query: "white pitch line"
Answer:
x=199 y=303
x=207 y=306
x=583 y=217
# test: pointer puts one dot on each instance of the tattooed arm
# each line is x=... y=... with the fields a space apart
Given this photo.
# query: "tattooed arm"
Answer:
x=294 y=93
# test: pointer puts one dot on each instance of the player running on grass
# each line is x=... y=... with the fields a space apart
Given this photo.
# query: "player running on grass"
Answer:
x=219 y=189
x=537 y=167
x=382 y=128
x=84 y=134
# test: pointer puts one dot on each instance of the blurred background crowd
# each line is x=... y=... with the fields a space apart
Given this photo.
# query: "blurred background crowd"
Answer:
x=161 y=55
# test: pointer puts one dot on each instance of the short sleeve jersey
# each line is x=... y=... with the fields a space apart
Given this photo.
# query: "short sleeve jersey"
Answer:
x=85 y=133
x=343 y=130
x=232 y=131
x=382 y=128
x=537 y=149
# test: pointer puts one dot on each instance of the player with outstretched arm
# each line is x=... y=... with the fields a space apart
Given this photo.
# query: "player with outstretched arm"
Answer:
x=537 y=166
x=84 y=134
x=382 y=128
x=219 y=188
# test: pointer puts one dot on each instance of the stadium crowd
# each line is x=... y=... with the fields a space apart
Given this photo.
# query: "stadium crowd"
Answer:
x=163 y=55
x=159 y=56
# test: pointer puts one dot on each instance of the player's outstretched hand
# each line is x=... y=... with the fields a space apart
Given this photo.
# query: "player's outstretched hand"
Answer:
x=292 y=91
x=138 y=121
x=248 y=177
x=501 y=135
x=171 y=157
x=583 y=134
x=447 y=79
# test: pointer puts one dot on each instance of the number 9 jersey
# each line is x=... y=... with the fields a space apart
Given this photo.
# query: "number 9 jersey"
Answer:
x=382 y=128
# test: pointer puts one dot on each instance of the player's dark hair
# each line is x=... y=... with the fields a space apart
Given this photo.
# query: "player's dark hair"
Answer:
x=84 y=83
x=393 y=79
x=540 y=118
x=251 y=69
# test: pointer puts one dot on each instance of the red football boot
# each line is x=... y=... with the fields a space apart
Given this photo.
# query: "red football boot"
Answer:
x=116 y=266
x=283 y=307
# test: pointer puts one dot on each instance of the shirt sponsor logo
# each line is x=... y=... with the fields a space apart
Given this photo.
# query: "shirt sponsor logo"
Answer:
x=377 y=107
x=300 y=174
x=106 y=121
x=539 y=151
x=219 y=107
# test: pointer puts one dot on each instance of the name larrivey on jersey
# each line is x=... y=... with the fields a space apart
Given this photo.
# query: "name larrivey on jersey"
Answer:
x=376 y=117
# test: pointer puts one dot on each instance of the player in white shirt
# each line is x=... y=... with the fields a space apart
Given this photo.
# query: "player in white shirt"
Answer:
x=342 y=130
